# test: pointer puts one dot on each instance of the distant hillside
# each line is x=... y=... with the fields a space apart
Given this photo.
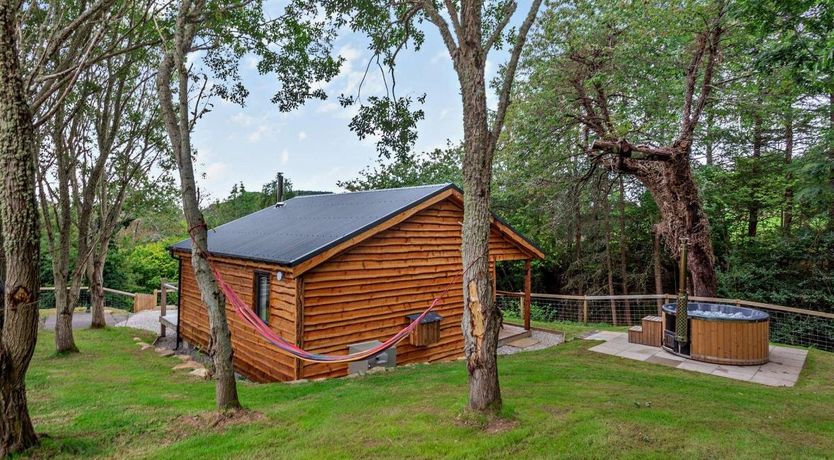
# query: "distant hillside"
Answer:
x=241 y=202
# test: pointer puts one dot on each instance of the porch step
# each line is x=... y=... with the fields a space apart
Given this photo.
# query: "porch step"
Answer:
x=649 y=333
x=635 y=334
x=652 y=331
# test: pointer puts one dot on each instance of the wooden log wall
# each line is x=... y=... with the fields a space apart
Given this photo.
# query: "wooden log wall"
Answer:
x=365 y=292
x=254 y=357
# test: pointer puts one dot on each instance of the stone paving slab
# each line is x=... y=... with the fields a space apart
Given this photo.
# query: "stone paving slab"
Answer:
x=782 y=370
x=523 y=343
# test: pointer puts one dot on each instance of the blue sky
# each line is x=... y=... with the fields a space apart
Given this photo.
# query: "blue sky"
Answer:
x=313 y=145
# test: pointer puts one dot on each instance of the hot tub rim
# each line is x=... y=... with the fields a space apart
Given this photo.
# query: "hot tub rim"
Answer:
x=672 y=310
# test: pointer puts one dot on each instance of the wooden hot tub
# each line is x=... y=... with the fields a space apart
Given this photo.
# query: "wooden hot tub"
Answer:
x=722 y=334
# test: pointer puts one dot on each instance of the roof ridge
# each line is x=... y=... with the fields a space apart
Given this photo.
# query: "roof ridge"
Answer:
x=410 y=187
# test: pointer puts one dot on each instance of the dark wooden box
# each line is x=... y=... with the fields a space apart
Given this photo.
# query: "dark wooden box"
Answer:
x=427 y=332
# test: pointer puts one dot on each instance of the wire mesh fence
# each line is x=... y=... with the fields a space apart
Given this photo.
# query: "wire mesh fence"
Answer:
x=112 y=299
x=790 y=326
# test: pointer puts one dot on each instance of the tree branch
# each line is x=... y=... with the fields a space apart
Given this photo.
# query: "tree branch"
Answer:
x=509 y=71
x=436 y=19
x=509 y=10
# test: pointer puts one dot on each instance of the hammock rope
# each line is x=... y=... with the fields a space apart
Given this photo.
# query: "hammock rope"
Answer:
x=247 y=314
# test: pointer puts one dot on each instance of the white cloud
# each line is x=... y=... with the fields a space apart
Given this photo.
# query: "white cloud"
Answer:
x=242 y=119
x=285 y=156
x=440 y=56
x=444 y=113
x=337 y=111
x=328 y=107
x=215 y=171
x=302 y=135
x=251 y=62
x=258 y=133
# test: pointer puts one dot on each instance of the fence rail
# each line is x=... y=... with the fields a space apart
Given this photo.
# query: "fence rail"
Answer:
x=788 y=325
x=113 y=298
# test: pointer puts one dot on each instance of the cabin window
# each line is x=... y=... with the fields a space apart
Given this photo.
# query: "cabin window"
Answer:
x=261 y=303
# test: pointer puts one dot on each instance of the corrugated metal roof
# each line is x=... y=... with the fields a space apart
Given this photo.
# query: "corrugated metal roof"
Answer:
x=308 y=225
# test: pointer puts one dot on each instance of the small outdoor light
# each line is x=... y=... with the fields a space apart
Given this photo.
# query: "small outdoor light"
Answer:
x=279 y=275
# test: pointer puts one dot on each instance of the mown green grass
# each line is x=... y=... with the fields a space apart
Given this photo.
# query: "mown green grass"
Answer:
x=113 y=400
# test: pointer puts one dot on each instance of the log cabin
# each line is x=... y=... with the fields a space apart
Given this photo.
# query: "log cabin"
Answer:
x=328 y=272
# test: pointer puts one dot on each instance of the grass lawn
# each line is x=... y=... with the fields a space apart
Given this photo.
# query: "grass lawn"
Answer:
x=116 y=401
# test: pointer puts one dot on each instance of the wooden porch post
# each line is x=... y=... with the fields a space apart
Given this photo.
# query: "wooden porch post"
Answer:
x=163 y=305
x=527 y=294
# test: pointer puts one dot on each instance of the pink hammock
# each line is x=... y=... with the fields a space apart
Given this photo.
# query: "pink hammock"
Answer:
x=248 y=315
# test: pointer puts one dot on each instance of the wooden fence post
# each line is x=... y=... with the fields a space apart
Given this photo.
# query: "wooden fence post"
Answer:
x=585 y=310
x=163 y=300
x=528 y=288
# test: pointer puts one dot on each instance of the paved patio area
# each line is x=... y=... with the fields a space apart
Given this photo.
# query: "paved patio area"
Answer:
x=782 y=370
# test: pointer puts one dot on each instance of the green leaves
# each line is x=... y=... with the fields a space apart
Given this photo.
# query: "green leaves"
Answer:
x=390 y=119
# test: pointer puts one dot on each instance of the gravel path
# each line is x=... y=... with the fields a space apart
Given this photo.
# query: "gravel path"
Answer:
x=147 y=320
x=545 y=339
x=83 y=320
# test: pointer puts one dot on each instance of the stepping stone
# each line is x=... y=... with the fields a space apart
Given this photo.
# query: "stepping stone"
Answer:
x=200 y=373
x=523 y=343
x=145 y=346
x=164 y=352
x=187 y=365
x=184 y=357
x=137 y=339
x=141 y=344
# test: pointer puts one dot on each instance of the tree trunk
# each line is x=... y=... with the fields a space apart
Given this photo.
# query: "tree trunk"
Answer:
x=624 y=252
x=19 y=212
x=709 y=143
x=682 y=215
x=481 y=318
x=658 y=273
x=787 y=211
x=609 y=265
x=60 y=243
x=2 y=274
x=95 y=275
x=178 y=127
x=753 y=221
x=831 y=159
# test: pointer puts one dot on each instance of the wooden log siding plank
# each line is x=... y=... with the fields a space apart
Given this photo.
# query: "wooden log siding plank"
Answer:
x=364 y=293
x=254 y=357
x=358 y=291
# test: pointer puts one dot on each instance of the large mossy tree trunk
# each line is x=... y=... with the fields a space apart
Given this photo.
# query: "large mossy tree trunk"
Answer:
x=178 y=127
x=664 y=169
x=682 y=216
x=21 y=238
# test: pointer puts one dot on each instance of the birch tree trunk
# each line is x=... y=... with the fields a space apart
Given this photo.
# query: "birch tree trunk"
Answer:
x=21 y=238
